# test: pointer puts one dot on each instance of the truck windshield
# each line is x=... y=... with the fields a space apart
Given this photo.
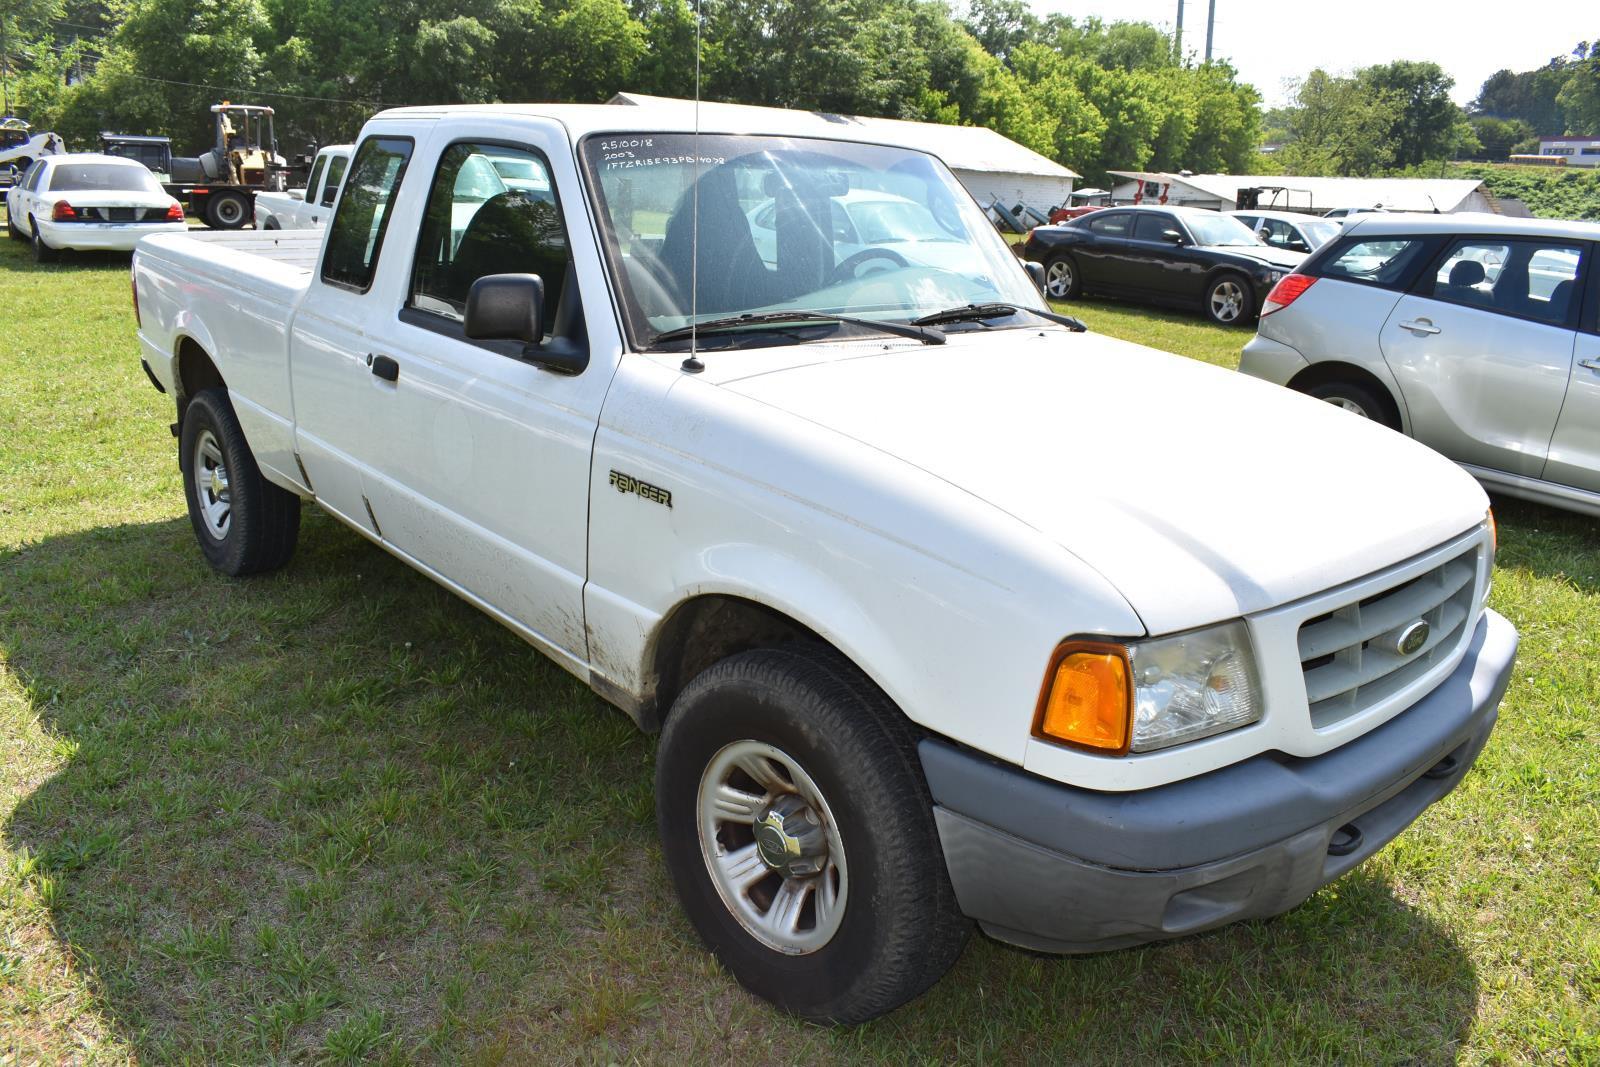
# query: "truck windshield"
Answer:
x=790 y=224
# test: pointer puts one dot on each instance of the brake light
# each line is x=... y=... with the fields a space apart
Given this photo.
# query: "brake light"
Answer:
x=63 y=212
x=175 y=213
x=133 y=282
x=1286 y=292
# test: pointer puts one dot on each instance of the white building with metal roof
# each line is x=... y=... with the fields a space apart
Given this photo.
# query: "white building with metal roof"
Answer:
x=1294 y=193
x=991 y=167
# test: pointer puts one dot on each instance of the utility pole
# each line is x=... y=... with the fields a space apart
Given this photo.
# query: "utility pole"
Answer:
x=1211 y=24
x=5 y=69
x=1178 y=37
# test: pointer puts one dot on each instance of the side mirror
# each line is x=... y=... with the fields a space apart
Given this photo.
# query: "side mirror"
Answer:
x=510 y=307
x=1036 y=273
x=506 y=307
x=1173 y=236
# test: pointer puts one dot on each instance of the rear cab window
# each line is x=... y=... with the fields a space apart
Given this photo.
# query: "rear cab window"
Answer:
x=315 y=176
x=355 y=236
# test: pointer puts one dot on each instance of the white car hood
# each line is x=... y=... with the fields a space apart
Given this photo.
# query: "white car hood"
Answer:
x=1200 y=494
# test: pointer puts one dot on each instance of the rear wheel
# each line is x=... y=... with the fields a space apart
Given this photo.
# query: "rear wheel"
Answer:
x=1357 y=400
x=271 y=223
x=1061 y=281
x=244 y=523
x=799 y=835
x=1229 y=301
x=227 y=211
x=42 y=253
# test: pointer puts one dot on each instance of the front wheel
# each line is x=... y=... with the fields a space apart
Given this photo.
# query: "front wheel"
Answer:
x=244 y=523
x=1357 y=400
x=1229 y=300
x=1061 y=281
x=799 y=835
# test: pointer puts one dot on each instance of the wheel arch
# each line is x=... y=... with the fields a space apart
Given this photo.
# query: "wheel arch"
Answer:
x=193 y=370
x=1331 y=372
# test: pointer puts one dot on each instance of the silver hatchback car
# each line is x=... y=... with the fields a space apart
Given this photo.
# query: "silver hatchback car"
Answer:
x=1475 y=334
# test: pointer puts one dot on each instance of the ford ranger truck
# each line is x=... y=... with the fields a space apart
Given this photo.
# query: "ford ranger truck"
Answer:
x=950 y=615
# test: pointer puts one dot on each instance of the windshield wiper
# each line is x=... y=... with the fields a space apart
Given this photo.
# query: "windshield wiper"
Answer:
x=978 y=312
x=915 y=331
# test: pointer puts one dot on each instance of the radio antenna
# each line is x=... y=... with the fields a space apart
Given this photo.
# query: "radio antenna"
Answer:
x=693 y=364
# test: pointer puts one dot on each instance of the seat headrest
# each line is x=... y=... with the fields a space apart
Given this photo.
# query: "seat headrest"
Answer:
x=1467 y=273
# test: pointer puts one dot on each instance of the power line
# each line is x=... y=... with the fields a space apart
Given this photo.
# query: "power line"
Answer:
x=227 y=88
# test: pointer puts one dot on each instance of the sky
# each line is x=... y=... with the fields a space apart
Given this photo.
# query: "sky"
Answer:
x=1268 y=44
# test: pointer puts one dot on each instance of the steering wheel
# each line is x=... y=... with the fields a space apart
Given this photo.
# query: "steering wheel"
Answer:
x=846 y=271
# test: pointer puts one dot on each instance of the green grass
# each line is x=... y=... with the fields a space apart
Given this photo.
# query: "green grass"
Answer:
x=336 y=815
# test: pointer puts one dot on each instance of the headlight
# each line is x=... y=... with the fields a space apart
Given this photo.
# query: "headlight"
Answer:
x=1274 y=275
x=1146 y=695
x=1192 y=686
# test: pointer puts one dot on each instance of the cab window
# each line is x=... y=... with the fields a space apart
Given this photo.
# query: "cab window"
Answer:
x=336 y=167
x=492 y=209
x=1115 y=225
x=355 y=236
x=1151 y=227
x=315 y=176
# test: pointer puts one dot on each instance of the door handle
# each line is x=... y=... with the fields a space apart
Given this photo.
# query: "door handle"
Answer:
x=384 y=367
x=1589 y=364
x=1419 y=326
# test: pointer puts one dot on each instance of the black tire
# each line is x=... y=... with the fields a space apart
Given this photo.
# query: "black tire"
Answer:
x=263 y=521
x=42 y=253
x=1058 y=270
x=1229 y=300
x=271 y=223
x=900 y=928
x=14 y=231
x=227 y=211
x=1358 y=400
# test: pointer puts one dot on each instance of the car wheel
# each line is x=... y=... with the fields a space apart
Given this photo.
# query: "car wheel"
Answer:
x=1357 y=400
x=1229 y=301
x=42 y=253
x=14 y=231
x=271 y=223
x=244 y=523
x=799 y=834
x=227 y=211
x=1061 y=281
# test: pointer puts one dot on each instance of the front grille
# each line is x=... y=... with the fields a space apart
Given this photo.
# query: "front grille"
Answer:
x=1349 y=655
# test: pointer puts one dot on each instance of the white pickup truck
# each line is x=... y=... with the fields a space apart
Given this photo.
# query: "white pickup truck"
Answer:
x=311 y=207
x=946 y=610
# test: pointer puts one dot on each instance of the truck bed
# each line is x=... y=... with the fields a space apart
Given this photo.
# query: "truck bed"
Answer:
x=292 y=248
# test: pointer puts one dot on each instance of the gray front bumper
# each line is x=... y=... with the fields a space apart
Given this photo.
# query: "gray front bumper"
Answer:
x=1060 y=869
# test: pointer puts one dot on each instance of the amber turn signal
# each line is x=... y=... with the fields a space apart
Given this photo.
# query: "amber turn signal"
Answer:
x=1087 y=699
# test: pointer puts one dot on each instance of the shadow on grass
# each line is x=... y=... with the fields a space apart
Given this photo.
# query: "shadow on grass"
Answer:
x=1550 y=542
x=337 y=812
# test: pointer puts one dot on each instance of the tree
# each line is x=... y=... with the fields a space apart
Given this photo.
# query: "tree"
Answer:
x=1579 y=98
x=1499 y=137
x=1428 y=124
x=1340 y=126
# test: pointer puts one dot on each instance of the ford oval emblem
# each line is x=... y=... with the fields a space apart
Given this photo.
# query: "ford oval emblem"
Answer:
x=1411 y=638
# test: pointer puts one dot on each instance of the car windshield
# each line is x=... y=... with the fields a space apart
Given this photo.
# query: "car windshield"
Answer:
x=103 y=177
x=908 y=242
x=1219 y=230
x=1320 y=232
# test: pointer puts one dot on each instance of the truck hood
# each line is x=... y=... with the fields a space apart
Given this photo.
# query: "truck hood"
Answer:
x=1199 y=493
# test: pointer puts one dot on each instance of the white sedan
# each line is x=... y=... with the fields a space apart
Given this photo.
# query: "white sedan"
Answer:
x=89 y=203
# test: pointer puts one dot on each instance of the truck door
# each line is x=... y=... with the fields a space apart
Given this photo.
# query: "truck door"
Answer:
x=483 y=469
x=335 y=394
